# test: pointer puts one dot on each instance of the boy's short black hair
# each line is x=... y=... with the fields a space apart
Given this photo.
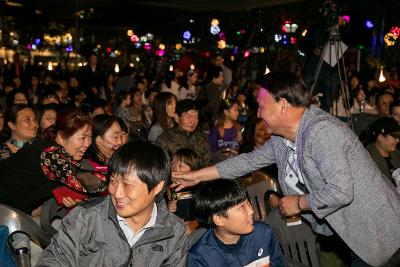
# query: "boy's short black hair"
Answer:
x=151 y=163
x=216 y=197
x=185 y=105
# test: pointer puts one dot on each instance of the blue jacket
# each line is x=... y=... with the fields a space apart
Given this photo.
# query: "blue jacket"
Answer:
x=210 y=251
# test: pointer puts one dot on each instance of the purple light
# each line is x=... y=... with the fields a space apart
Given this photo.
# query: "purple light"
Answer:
x=187 y=35
x=147 y=46
x=69 y=48
x=369 y=24
x=28 y=46
x=160 y=53
x=37 y=41
x=221 y=35
x=346 y=18
x=235 y=50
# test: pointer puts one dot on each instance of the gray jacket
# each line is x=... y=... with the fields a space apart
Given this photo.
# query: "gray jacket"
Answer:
x=91 y=236
x=345 y=185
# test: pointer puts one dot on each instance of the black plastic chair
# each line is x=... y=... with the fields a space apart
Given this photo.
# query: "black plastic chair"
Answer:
x=298 y=242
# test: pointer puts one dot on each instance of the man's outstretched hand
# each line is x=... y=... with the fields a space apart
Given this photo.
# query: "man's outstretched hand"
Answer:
x=183 y=179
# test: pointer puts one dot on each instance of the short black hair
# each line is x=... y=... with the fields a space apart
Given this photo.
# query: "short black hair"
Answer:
x=216 y=197
x=214 y=72
x=150 y=162
x=185 y=105
x=284 y=84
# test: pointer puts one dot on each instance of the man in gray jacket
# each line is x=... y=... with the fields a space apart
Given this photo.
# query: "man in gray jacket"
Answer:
x=322 y=168
x=126 y=228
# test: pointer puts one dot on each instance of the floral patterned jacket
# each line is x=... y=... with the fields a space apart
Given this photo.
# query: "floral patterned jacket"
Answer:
x=83 y=176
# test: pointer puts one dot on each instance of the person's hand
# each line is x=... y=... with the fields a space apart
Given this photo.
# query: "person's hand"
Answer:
x=183 y=179
x=70 y=203
x=172 y=205
x=288 y=206
x=274 y=201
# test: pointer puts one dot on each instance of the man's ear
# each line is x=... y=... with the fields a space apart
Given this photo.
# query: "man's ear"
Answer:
x=158 y=188
x=218 y=220
x=11 y=125
x=284 y=104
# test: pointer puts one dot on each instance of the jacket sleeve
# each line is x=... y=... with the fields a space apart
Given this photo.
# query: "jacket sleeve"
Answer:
x=178 y=256
x=247 y=162
x=331 y=147
x=64 y=248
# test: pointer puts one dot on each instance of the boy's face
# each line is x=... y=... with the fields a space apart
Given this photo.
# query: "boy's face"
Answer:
x=131 y=197
x=238 y=220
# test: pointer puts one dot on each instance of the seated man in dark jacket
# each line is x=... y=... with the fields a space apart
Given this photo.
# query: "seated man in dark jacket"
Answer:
x=385 y=132
x=187 y=133
x=234 y=239
x=126 y=228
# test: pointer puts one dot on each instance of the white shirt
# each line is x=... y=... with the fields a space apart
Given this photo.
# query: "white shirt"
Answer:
x=293 y=174
x=131 y=236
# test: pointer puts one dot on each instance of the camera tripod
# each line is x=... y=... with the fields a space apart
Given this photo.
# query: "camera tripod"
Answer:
x=332 y=54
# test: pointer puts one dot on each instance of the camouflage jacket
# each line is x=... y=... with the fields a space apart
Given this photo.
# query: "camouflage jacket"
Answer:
x=173 y=139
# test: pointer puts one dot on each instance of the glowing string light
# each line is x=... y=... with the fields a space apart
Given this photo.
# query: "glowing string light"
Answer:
x=214 y=22
x=187 y=35
x=221 y=44
x=390 y=39
x=116 y=68
x=215 y=29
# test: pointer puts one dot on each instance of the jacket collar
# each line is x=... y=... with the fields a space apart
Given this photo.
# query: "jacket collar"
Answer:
x=162 y=228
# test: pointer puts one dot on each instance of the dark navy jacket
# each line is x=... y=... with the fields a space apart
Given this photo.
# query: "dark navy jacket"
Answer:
x=210 y=251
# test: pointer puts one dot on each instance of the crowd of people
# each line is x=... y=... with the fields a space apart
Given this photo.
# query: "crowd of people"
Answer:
x=97 y=135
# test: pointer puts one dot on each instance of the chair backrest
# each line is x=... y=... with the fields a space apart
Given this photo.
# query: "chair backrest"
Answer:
x=298 y=242
x=18 y=221
x=51 y=211
x=257 y=185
